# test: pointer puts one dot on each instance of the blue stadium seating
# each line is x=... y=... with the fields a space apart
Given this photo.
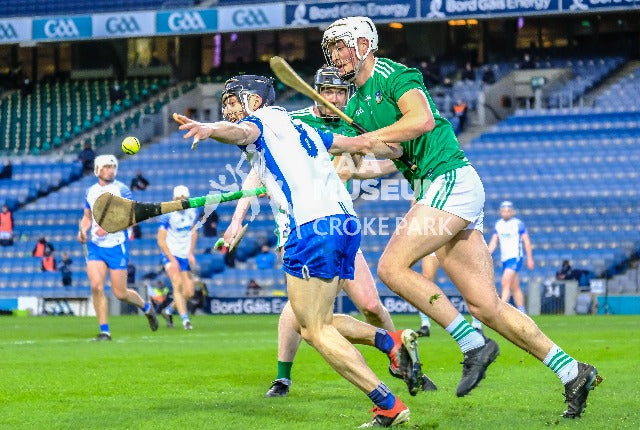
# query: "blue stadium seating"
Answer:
x=36 y=177
x=587 y=73
x=621 y=90
x=572 y=174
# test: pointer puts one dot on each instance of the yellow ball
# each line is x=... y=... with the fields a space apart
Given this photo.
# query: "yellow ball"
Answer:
x=130 y=145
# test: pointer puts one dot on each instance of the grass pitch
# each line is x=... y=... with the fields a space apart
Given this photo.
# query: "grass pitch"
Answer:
x=53 y=377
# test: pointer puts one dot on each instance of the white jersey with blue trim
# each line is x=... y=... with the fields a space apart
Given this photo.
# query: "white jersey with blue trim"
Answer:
x=510 y=235
x=292 y=160
x=93 y=192
x=178 y=226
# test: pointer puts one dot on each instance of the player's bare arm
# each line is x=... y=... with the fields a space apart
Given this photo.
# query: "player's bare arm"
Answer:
x=493 y=243
x=417 y=118
x=251 y=181
x=526 y=241
x=85 y=224
x=345 y=165
x=370 y=168
x=223 y=131
x=368 y=143
x=192 y=249
x=162 y=244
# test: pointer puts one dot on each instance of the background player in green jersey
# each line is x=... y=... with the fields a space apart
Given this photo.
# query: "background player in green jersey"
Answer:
x=391 y=100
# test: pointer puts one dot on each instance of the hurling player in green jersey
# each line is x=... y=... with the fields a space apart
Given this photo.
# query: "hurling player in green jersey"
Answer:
x=392 y=102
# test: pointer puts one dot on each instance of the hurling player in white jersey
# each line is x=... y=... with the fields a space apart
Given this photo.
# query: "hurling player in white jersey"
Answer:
x=177 y=240
x=362 y=290
x=108 y=252
x=291 y=160
x=511 y=234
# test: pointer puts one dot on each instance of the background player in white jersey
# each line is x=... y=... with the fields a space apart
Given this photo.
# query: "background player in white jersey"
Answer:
x=108 y=251
x=362 y=289
x=511 y=233
x=177 y=238
x=291 y=158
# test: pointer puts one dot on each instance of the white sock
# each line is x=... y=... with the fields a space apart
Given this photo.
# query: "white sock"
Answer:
x=424 y=320
x=476 y=323
x=462 y=332
x=521 y=309
x=562 y=364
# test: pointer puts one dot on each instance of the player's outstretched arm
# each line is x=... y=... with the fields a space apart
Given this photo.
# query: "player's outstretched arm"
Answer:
x=223 y=131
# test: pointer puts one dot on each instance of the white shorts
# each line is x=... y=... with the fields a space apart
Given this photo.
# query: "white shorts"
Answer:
x=459 y=192
x=283 y=228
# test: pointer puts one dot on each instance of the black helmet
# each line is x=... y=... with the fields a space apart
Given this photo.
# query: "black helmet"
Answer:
x=329 y=77
x=243 y=85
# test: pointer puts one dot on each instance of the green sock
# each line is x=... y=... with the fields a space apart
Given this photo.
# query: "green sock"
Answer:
x=284 y=370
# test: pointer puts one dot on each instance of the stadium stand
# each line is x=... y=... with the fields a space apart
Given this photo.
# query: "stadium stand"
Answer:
x=587 y=73
x=56 y=112
x=570 y=172
x=36 y=177
x=56 y=216
x=630 y=84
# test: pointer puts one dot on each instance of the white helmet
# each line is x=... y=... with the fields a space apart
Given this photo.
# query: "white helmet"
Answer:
x=349 y=30
x=180 y=191
x=105 y=160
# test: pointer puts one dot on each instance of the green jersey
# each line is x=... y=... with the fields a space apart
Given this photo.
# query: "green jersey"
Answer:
x=336 y=126
x=375 y=105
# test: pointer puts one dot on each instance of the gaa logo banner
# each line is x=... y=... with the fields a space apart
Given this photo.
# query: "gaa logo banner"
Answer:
x=187 y=21
x=15 y=30
x=124 y=24
x=303 y=13
x=62 y=28
x=251 y=17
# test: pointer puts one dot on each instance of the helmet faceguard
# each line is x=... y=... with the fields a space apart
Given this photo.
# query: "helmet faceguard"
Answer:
x=243 y=86
x=327 y=77
x=349 y=30
x=105 y=160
